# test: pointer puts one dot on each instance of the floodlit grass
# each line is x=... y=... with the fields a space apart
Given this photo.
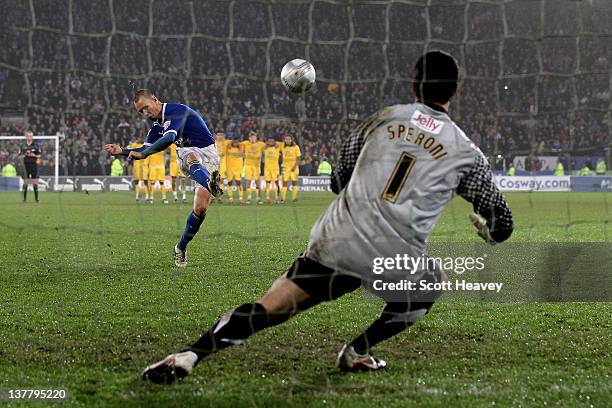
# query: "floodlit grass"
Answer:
x=89 y=296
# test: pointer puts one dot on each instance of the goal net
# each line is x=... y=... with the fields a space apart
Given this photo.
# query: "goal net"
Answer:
x=535 y=90
x=535 y=73
x=545 y=61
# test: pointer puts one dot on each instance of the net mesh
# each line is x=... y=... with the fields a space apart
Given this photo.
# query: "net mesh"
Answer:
x=536 y=79
x=536 y=73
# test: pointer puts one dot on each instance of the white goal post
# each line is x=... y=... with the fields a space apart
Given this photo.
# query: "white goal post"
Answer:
x=56 y=138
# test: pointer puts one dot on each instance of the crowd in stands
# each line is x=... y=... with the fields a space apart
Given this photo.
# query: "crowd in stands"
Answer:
x=536 y=76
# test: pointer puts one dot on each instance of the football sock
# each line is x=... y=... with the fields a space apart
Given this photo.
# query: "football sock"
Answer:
x=284 y=193
x=191 y=228
x=234 y=328
x=249 y=191
x=240 y=192
x=25 y=192
x=394 y=319
x=267 y=191
x=151 y=190
x=199 y=174
x=162 y=188
x=294 y=192
x=35 y=186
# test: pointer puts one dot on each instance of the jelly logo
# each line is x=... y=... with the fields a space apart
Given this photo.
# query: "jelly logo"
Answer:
x=426 y=122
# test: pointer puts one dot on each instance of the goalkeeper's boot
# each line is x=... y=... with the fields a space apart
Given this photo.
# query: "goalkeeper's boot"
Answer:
x=171 y=368
x=349 y=360
x=215 y=184
x=180 y=257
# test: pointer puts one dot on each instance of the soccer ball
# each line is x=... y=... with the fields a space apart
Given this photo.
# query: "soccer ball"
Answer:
x=298 y=76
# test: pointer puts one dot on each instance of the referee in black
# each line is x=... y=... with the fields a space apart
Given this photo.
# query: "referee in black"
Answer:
x=31 y=154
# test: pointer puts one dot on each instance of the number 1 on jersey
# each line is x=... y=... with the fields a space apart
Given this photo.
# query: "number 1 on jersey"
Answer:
x=398 y=177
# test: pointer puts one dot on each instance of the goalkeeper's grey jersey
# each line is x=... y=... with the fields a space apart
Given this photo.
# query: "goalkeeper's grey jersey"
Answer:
x=408 y=162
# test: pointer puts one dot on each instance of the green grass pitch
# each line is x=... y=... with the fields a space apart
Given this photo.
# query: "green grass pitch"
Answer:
x=89 y=296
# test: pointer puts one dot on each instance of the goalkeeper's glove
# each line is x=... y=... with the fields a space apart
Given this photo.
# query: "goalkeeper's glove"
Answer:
x=482 y=228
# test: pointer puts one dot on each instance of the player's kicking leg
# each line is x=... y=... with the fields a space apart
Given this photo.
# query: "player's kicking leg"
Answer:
x=207 y=185
x=306 y=284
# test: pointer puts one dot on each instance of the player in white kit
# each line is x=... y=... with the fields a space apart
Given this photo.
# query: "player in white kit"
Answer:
x=395 y=175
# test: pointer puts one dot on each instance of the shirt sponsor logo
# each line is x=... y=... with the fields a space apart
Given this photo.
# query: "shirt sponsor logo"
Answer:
x=426 y=122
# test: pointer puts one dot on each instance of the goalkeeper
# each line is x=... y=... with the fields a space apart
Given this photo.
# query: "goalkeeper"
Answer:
x=396 y=174
x=196 y=155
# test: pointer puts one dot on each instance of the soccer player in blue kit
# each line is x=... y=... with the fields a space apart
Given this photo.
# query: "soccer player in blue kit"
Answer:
x=196 y=155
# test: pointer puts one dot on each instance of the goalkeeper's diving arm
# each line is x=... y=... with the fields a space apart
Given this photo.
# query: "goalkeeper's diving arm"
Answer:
x=160 y=145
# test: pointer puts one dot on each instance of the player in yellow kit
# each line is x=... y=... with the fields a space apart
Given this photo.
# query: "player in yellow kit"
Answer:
x=234 y=159
x=140 y=173
x=271 y=167
x=253 y=149
x=291 y=167
x=221 y=145
x=177 y=176
x=157 y=172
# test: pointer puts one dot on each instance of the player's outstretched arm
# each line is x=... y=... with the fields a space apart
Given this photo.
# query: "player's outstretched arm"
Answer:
x=117 y=150
x=160 y=144
x=112 y=148
x=494 y=221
